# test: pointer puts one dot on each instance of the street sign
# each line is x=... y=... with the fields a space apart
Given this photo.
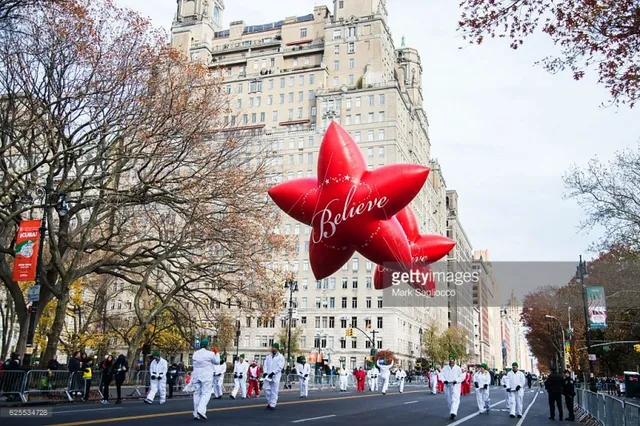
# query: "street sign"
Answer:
x=592 y=357
x=33 y=293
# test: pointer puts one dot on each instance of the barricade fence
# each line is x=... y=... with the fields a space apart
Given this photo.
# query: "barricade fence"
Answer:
x=607 y=410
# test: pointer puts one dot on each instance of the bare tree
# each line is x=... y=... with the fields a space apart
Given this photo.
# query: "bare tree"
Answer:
x=162 y=194
x=8 y=318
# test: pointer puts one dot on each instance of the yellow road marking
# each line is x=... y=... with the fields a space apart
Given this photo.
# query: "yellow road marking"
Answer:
x=211 y=410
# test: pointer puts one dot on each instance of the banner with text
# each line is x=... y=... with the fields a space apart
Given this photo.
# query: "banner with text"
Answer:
x=597 y=307
x=26 y=251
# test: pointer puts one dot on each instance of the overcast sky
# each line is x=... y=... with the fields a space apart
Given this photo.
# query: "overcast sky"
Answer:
x=503 y=130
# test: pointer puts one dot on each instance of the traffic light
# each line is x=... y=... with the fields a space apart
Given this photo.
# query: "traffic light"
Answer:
x=349 y=332
x=636 y=347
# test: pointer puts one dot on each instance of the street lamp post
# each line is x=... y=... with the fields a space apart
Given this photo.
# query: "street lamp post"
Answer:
x=63 y=209
x=582 y=273
x=237 y=338
x=292 y=285
x=564 y=342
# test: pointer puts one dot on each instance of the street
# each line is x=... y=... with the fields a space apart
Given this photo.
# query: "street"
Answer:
x=415 y=405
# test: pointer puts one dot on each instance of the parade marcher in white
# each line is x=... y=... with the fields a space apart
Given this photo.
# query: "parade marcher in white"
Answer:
x=504 y=383
x=481 y=381
x=240 y=370
x=452 y=378
x=385 y=373
x=158 y=379
x=372 y=374
x=218 y=377
x=204 y=362
x=401 y=375
x=515 y=386
x=433 y=381
x=344 y=378
x=273 y=366
x=303 y=370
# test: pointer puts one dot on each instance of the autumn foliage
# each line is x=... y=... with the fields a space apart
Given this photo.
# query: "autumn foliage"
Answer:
x=591 y=34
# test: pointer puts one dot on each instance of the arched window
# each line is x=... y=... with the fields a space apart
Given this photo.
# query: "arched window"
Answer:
x=216 y=14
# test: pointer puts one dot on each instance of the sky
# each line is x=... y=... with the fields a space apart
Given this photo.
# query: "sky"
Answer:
x=504 y=130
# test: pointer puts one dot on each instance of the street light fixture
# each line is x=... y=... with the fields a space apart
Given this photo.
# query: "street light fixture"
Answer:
x=581 y=274
x=292 y=286
x=564 y=342
x=237 y=337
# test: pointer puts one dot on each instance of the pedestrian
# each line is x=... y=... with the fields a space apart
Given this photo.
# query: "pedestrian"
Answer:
x=107 y=374
x=158 y=372
x=240 y=368
x=344 y=378
x=361 y=377
x=373 y=378
x=452 y=378
x=254 y=375
x=401 y=376
x=87 y=365
x=433 y=381
x=218 y=376
x=204 y=362
x=569 y=392
x=120 y=369
x=503 y=381
x=554 y=386
x=515 y=386
x=385 y=373
x=172 y=378
x=481 y=381
x=529 y=380
x=303 y=370
x=53 y=363
x=273 y=366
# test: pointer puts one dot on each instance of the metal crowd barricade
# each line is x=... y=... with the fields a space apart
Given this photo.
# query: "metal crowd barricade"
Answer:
x=631 y=414
x=606 y=410
x=47 y=382
x=142 y=381
x=76 y=384
x=13 y=384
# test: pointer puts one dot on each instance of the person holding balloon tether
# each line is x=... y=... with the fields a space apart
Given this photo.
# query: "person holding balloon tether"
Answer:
x=452 y=377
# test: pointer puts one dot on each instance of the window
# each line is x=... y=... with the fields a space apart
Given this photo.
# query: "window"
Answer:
x=354 y=321
x=290 y=115
x=381 y=116
x=370 y=135
x=228 y=89
x=262 y=117
x=371 y=100
x=255 y=65
x=301 y=80
x=281 y=98
x=299 y=112
x=371 y=117
x=245 y=118
x=336 y=65
x=351 y=80
x=303 y=304
x=271 y=80
x=270 y=100
x=354 y=282
x=345 y=282
x=290 y=97
x=337 y=34
x=381 y=99
x=336 y=81
x=354 y=344
x=317 y=322
x=312 y=78
x=352 y=31
x=356 y=137
x=336 y=49
x=352 y=63
x=332 y=303
x=354 y=264
x=300 y=96
x=239 y=103
x=368 y=302
x=344 y=303
x=343 y=323
x=370 y=152
x=358 y=102
x=340 y=4
x=351 y=47
x=318 y=284
x=250 y=102
x=369 y=282
x=348 y=103
x=273 y=64
x=358 y=116
x=381 y=151
x=332 y=322
x=343 y=343
x=367 y=323
x=274 y=116
x=324 y=322
x=347 y=120
x=292 y=81
x=310 y=158
x=282 y=83
x=379 y=302
x=313 y=114
x=381 y=134
x=303 y=32
x=312 y=95
x=379 y=343
x=239 y=87
x=379 y=322
x=354 y=302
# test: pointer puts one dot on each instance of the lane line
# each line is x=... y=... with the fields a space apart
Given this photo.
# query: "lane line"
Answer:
x=86 y=410
x=410 y=402
x=313 y=418
x=524 y=415
x=470 y=416
x=213 y=410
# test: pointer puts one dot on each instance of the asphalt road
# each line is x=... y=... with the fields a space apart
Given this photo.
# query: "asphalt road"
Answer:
x=322 y=408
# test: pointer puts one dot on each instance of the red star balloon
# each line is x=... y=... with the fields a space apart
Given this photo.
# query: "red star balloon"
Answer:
x=350 y=208
x=425 y=250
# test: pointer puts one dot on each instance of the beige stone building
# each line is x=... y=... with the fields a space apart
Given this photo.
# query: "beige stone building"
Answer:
x=287 y=81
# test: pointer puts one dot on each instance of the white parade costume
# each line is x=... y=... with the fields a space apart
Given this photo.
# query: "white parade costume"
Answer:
x=303 y=371
x=218 y=379
x=158 y=381
x=204 y=362
x=273 y=366
x=401 y=375
x=482 y=395
x=452 y=378
x=385 y=373
x=373 y=379
x=516 y=382
x=240 y=370
x=344 y=379
x=504 y=384
x=433 y=382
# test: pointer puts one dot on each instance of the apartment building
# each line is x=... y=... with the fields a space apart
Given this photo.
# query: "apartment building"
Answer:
x=286 y=81
x=486 y=301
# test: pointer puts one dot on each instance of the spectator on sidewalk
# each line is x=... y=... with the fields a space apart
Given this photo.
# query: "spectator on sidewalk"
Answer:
x=75 y=368
x=120 y=369
x=172 y=378
x=87 y=366
x=107 y=374
x=569 y=391
x=53 y=363
x=554 y=385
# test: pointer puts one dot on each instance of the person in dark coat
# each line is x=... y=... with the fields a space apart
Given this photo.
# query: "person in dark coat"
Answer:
x=172 y=378
x=53 y=363
x=75 y=368
x=107 y=374
x=529 y=380
x=569 y=391
x=87 y=366
x=120 y=369
x=554 y=385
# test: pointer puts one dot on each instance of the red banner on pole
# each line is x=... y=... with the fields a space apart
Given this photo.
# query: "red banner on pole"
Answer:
x=27 y=244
